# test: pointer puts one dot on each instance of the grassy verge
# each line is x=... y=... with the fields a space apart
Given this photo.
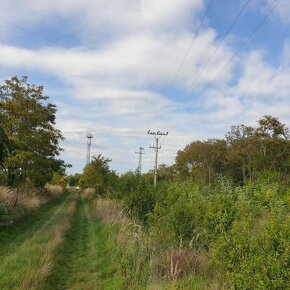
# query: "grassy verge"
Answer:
x=29 y=258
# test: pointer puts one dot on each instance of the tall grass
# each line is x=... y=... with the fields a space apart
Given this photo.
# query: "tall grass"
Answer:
x=146 y=265
x=17 y=202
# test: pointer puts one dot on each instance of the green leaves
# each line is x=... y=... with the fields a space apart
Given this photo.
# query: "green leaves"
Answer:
x=27 y=122
x=97 y=175
x=5 y=147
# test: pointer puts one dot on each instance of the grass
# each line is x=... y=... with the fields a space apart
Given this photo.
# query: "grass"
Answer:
x=29 y=264
x=18 y=202
x=84 y=259
x=12 y=236
x=71 y=243
x=143 y=267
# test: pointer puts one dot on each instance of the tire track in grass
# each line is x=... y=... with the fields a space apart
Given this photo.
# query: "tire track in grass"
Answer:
x=29 y=265
x=83 y=261
x=13 y=236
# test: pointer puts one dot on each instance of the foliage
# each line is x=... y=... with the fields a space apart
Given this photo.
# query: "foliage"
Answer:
x=257 y=244
x=245 y=152
x=3 y=209
x=97 y=175
x=138 y=194
x=58 y=179
x=244 y=230
x=205 y=158
x=73 y=180
x=27 y=126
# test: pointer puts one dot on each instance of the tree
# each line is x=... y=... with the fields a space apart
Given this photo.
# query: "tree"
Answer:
x=73 y=180
x=97 y=175
x=272 y=143
x=241 y=152
x=5 y=148
x=202 y=159
x=28 y=121
x=58 y=179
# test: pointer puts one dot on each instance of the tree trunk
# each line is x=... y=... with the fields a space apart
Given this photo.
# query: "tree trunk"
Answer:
x=17 y=196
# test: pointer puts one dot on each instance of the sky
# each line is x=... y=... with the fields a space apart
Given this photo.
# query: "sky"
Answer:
x=117 y=68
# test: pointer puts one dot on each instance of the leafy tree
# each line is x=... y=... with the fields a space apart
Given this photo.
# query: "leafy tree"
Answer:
x=73 y=180
x=202 y=159
x=5 y=147
x=58 y=179
x=97 y=175
x=241 y=152
x=28 y=120
x=272 y=144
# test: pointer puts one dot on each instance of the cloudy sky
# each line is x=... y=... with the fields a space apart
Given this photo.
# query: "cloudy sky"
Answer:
x=117 y=68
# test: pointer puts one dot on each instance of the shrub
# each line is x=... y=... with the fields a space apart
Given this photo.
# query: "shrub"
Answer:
x=254 y=252
x=3 y=209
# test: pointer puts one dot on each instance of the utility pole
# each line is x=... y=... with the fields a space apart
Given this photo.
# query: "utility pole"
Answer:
x=89 y=137
x=157 y=135
x=140 y=153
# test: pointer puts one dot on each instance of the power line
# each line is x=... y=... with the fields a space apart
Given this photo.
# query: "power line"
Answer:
x=190 y=46
x=243 y=44
x=220 y=43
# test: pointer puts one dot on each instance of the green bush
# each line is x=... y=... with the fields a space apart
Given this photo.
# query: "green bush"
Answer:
x=3 y=209
x=245 y=230
x=254 y=252
x=138 y=195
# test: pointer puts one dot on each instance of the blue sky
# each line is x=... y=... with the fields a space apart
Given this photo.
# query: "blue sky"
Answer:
x=109 y=64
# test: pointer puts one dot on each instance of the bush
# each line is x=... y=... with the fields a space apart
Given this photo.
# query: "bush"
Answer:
x=245 y=231
x=254 y=252
x=3 y=209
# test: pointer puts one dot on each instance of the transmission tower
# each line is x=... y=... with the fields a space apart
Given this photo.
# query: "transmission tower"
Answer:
x=140 y=153
x=157 y=135
x=89 y=137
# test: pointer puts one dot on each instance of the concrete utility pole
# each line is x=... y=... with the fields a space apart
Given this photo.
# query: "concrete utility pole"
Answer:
x=89 y=137
x=140 y=152
x=157 y=136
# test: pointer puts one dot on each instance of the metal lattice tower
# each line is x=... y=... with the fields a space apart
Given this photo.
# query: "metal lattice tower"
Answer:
x=89 y=137
x=140 y=153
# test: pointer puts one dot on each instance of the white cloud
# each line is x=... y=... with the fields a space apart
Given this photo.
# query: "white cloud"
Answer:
x=282 y=10
x=93 y=18
x=260 y=79
x=126 y=49
x=132 y=61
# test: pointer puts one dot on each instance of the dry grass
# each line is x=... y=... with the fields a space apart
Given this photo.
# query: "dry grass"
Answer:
x=88 y=192
x=25 y=199
x=165 y=264
x=183 y=262
x=112 y=213
x=54 y=190
x=5 y=193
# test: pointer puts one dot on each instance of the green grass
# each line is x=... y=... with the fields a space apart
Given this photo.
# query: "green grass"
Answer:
x=28 y=265
x=12 y=236
x=84 y=261
x=62 y=246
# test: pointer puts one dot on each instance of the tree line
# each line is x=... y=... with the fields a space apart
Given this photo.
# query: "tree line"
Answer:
x=244 y=154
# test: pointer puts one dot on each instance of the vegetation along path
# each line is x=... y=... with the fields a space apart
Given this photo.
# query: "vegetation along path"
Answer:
x=60 y=246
